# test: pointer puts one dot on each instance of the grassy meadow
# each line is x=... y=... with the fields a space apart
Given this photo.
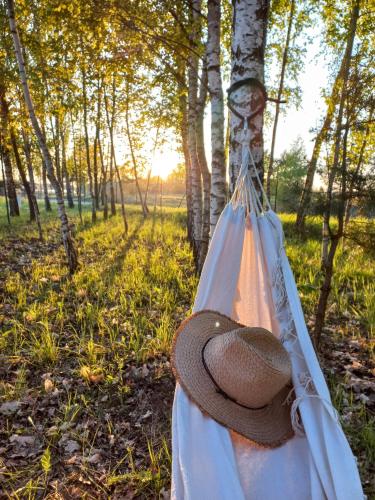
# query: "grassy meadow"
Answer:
x=85 y=382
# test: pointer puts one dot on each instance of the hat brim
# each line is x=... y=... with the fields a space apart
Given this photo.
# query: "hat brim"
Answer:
x=269 y=426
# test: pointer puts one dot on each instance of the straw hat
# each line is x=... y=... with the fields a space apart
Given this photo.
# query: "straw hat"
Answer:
x=240 y=376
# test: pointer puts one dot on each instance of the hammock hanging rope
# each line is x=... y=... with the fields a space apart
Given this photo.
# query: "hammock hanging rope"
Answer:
x=247 y=276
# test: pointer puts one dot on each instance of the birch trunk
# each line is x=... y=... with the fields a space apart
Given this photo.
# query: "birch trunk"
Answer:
x=9 y=130
x=330 y=249
x=87 y=144
x=67 y=238
x=6 y=156
x=104 y=181
x=47 y=203
x=29 y=163
x=5 y=185
x=56 y=141
x=279 y=96
x=132 y=154
x=196 y=179
x=248 y=44
x=185 y=149
x=358 y=167
x=215 y=87
x=328 y=260
x=203 y=167
x=307 y=190
x=96 y=144
x=64 y=170
x=22 y=174
x=10 y=185
x=110 y=122
x=33 y=205
x=343 y=96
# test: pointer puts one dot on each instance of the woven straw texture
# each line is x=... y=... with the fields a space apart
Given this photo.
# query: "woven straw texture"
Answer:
x=241 y=359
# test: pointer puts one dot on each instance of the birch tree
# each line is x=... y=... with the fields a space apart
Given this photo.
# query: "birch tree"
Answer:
x=319 y=140
x=196 y=178
x=279 y=96
x=339 y=151
x=7 y=161
x=110 y=123
x=66 y=234
x=87 y=144
x=215 y=87
x=248 y=43
x=203 y=168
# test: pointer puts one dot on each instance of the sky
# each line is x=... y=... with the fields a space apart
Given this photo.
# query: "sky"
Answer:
x=293 y=123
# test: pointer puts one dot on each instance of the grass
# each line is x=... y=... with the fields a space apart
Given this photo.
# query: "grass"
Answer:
x=86 y=357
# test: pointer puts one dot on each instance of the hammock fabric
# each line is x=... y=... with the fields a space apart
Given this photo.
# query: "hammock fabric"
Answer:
x=247 y=276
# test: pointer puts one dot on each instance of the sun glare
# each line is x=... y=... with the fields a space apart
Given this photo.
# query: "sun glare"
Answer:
x=164 y=162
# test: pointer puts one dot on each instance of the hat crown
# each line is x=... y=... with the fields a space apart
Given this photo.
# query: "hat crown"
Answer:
x=249 y=365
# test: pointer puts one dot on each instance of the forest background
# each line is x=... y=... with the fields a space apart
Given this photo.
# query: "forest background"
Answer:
x=118 y=154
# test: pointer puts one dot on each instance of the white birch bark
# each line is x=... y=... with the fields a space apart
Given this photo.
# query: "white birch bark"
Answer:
x=185 y=148
x=67 y=238
x=248 y=42
x=215 y=87
x=87 y=145
x=196 y=180
x=203 y=167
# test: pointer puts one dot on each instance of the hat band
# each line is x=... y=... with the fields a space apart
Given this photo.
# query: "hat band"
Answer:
x=219 y=389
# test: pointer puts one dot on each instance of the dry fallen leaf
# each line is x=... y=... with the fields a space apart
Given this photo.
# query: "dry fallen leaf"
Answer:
x=71 y=446
x=22 y=440
x=10 y=407
x=48 y=385
x=95 y=458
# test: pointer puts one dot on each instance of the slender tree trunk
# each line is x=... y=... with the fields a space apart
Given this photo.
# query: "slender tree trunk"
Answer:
x=279 y=96
x=215 y=87
x=96 y=143
x=64 y=170
x=150 y=169
x=110 y=122
x=248 y=44
x=335 y=96
x=354 y=178
x=5 y=184
x=196 y=177
x=135 y=167
x=203 y=167
x=87 y=144
x=345 y=77
x=327 y=263
x=6 y=155
x=33 y=205
x=10 y=185
x=47 y=203
x=185 y=149
x=147 y=185
x=8 y=129
x=123 y=213
x=22 y=173
x=111 y=171
x=65 y=226
x=328 y=259
x=27 y=151
x=104 y=181
x=79 y=183
x=56 y=140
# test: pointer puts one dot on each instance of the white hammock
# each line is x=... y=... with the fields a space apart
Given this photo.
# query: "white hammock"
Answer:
x=247 y=276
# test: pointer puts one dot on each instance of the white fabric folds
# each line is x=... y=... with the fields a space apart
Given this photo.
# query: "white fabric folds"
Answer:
x=247 y=276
